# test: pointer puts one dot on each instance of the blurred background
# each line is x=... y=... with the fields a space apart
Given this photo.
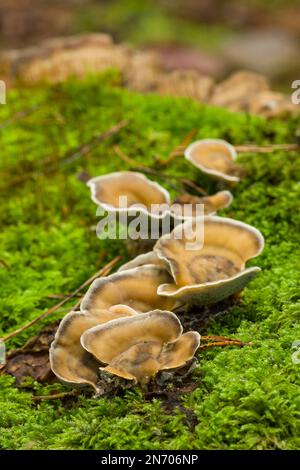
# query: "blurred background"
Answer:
x=214 y=37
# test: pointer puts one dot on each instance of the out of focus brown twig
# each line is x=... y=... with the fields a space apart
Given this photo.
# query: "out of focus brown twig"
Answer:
x=266 y=148
x=159 y=174
x=179 y=149
x=221 y=341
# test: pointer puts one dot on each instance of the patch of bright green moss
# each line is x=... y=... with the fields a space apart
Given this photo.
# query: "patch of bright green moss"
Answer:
x=246 y=398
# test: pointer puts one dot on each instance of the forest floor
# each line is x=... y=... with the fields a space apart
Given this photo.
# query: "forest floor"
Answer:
x=236 y=398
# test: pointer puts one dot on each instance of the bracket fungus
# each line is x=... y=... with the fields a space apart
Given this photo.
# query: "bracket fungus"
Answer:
x=139 y=204
x=214 y=157
x=70 y=362
x=145 y=209
x=140 y=193
x=135 y=287
x=143 y=194
x=143 y=259
x=215 y=270
x=138 y=347
x=121 y=294
x=211 y=204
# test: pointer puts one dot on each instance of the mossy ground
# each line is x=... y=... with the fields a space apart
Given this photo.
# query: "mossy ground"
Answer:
x=246 y=398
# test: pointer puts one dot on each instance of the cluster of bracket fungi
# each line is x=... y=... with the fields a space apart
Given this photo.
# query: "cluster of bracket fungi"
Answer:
x=126 y=325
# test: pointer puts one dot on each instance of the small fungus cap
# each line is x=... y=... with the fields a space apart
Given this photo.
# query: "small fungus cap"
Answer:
x=107 y=341
x=215 y=157
x=137 y=348
x=215 y=270
x=211 y=204
x=136 y=287
x=69 y=361
x=141 y=193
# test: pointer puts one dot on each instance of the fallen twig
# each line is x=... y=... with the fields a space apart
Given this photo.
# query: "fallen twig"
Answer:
x=60 y=296
x=80 y=151
x=224 y=343
x=163 y=176
x=86 y=148
x=149 y=171
x=4 y=264
x=55 y=396
x=103 y=272
x=123 y=156
x=217 y=338
x=239 y=148
x=179 y=149
x=19 y=115
x=142 y=169
x=194 y=186
x=267 y=148
x=221 y=341
x=159 y=174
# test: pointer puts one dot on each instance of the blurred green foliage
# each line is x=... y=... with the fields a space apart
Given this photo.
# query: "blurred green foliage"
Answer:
x=142 y=23
x=203 y=24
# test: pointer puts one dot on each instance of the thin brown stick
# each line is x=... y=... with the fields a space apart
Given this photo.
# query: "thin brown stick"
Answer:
x=55 y=396
x=123 y=156
x=21 y=179
x=258 y=149
x=4 y=264
x=239 y=148
x=19 y=115
x=144 y=169
x=194 y=186
x=60 y=296
x=162 y=176
x=217 y=338
x=267 y=148
x=82 y=150
x=224 y=343
x=102 y=272
x=179 y=149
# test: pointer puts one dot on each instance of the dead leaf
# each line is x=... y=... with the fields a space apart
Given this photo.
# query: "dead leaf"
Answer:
x=32 y=360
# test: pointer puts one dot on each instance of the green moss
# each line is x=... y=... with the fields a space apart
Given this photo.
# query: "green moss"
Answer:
x=245 y=398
